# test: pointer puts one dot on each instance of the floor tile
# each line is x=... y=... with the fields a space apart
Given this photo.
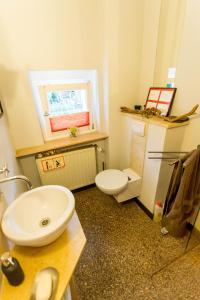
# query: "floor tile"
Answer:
x=124 y=250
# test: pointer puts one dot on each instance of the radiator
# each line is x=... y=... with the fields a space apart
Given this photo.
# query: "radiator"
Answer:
x=72 y=169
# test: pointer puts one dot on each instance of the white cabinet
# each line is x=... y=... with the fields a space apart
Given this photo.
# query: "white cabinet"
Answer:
x=156 y=173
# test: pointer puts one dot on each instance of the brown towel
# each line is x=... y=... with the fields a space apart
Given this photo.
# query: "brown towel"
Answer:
x=183 y=193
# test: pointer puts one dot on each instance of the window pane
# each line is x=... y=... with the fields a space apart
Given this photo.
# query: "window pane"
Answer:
x=67 y=102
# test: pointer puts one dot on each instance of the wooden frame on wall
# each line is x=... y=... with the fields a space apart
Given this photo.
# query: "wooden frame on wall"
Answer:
x=161 y=98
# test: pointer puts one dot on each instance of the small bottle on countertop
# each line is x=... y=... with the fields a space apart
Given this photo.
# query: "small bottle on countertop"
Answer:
x=11 y=269
x=158 y=211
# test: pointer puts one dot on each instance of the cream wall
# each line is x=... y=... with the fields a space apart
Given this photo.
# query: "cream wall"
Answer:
x=69 y=34
x=42 y=35
x=171 y=33
x=162 y=37
x=151 y=19
x=177 y=43
x=172 y=14
x=8 y=191
x=188 y=74
x=173 y=41
x=7 y=154
x=122 y=36
x=188 y=66
x=131 y=43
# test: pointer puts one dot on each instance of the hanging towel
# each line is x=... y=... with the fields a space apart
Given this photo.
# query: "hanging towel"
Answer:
x=183 y=194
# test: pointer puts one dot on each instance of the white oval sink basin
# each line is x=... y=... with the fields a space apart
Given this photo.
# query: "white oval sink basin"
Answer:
x=39 y=216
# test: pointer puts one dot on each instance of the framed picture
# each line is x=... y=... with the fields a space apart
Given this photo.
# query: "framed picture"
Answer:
x=161 y=98
x=1 y=109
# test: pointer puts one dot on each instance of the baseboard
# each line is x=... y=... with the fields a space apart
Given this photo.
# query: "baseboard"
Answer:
x=147 y=212
x=83 y=188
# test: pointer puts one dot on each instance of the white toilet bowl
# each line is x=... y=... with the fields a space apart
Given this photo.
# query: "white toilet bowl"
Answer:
x=123 y=185
x=111 y=181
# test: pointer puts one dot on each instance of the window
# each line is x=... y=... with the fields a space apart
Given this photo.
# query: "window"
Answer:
x=67 y=101
x=65 y=106
x=68 y=108
x=64 y=103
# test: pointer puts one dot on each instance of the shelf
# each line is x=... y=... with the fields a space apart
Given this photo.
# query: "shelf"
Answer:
x=60 y=143
x=157 y=121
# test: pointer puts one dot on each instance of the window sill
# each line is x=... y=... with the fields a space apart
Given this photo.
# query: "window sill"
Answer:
x=63 y=142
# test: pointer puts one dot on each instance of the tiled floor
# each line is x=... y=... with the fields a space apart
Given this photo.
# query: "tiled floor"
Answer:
x=126 y=257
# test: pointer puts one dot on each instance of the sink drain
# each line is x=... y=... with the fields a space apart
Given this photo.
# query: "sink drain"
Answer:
x=44 y=222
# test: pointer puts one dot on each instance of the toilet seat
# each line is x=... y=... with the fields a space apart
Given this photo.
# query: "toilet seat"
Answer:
x=111 y=181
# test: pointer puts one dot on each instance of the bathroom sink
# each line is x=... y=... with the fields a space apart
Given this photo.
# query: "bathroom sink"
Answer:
x=39 y=216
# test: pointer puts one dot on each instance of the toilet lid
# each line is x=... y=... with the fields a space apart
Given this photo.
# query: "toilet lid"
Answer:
x=111 y=179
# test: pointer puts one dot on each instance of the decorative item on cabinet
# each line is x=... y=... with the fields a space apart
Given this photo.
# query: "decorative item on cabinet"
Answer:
x=137 y=107
x=154 y=112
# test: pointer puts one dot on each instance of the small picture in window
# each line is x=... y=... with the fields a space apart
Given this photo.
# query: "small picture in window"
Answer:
x=1 y=109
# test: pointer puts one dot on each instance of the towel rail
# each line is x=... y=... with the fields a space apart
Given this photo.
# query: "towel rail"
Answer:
x=167 y=152
x=164 y=158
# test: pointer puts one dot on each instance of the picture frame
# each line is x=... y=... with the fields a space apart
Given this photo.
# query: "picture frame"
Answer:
x=1 y=110
x=161 y=98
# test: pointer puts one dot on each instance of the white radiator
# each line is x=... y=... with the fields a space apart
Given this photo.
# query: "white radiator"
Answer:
x=72 y=169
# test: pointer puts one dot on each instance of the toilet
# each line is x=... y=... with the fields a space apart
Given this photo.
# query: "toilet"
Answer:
x=125 y=185
x=111 y=181
x=122 y=185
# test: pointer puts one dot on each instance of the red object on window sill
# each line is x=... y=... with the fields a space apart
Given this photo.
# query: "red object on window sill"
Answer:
x=73 y=120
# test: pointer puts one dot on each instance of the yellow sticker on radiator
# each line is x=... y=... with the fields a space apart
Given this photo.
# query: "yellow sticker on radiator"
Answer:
x=50 y=164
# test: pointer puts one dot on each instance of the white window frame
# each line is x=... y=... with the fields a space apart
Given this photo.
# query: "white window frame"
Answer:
x=43 y=89
x=59 y=80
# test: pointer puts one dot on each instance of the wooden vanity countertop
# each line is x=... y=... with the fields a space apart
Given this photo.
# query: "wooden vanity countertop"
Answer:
x=63 y=254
